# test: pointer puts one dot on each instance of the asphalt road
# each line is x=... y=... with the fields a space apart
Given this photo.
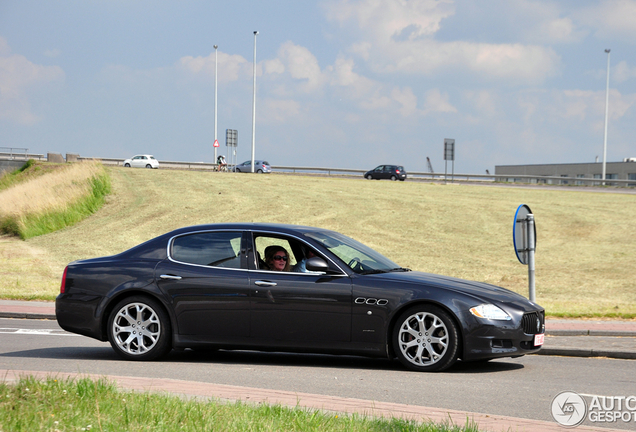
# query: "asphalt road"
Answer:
x=523 y=387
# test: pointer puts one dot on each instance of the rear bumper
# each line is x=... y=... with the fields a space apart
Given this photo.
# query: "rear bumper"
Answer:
x=77 y=314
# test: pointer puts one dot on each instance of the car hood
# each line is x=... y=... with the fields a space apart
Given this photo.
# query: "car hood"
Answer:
x=483 y=291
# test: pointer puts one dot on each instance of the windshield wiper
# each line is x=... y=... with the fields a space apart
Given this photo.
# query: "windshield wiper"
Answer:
x=374 y=271
x=400 y=269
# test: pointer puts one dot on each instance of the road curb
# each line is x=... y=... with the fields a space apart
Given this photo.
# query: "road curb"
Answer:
x=616 y=333
x=578 y=352
x=27 y=315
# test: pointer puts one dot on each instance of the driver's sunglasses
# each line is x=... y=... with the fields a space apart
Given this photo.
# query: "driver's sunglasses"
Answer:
x=280 y=257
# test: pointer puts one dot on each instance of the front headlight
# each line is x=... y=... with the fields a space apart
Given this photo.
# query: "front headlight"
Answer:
x=490 y=311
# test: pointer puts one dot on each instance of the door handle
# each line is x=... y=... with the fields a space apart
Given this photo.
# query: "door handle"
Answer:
x=265 y=283
x=172 y=277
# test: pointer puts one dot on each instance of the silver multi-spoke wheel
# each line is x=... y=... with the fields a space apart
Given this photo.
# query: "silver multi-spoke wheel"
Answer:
x=426 y=339
x=136 y=328
x=423 y=339
x=139 y=329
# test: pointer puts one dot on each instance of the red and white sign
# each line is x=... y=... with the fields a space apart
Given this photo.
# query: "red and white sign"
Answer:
x=538 y=339
x=216 y=143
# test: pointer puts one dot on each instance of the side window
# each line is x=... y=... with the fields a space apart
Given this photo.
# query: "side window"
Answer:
x=297 y=253
x=215 y=249
x=263 y=242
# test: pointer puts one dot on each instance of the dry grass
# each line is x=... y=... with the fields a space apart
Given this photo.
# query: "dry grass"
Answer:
x=584 y=261
x=49 y=192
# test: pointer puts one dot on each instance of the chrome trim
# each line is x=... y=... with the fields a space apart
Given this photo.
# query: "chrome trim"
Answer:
x=264 y=283
x=171 y=277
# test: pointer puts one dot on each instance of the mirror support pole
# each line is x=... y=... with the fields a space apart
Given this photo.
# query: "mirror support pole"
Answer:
x=530 y=228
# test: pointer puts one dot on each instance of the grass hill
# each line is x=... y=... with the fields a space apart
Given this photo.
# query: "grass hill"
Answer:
x=584 y=261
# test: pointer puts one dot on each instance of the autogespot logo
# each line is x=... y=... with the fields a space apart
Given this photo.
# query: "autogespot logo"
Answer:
x=569 y=409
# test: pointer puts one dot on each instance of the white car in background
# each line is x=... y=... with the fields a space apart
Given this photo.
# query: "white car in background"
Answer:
x=142 y=161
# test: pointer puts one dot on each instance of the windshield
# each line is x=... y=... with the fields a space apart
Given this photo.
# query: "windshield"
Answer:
x=360 y=258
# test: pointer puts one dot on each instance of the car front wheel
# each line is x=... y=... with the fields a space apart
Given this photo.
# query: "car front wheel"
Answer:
x=139 y=329
x=127 y=165
x=425 y=339
x=368 y=177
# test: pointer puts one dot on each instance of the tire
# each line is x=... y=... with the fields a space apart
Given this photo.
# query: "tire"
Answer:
x=368 y=177
x=393 y=178
x=127 y=165
x=148 y=166
x=425 y=339
x=125 y=321
x=259 y=171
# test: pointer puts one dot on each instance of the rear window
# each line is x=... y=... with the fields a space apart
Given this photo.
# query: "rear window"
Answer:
x=215 y=249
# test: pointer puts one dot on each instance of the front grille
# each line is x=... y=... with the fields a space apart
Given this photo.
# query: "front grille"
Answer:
x=529 y=323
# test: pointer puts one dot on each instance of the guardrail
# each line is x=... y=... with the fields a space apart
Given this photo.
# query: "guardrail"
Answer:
x=424 y=176
x=18 y=153
x=499 y=178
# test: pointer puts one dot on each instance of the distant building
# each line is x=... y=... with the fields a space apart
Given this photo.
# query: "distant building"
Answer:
x=571 y=173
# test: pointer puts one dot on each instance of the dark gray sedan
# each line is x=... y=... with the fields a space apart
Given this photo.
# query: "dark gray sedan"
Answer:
x=386 y=172
x=216 y=287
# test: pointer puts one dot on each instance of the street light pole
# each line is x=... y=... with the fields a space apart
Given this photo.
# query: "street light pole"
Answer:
x=606 y=115
x=254 y=106
x=215 y=96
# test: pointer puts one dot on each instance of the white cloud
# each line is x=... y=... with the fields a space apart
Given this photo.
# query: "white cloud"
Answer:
x=436 y=101
x=611 y=18
x=231 y=67
x=397 y=36
x=19 y=77
x=407 y=99
x=279 y=111
x=622 y=72
x=301 y=65
x=393 y=19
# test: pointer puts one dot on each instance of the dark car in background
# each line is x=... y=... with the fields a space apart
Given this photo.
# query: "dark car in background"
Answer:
x=260 y=167
x=209 y=287
x=388 y=172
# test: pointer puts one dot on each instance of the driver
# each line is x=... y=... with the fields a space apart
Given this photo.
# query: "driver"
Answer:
x=277 y=258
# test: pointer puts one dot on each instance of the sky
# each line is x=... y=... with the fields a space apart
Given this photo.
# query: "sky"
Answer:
x=339 y=83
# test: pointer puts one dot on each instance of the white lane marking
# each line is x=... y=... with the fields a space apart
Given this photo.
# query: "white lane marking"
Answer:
x=42 y=332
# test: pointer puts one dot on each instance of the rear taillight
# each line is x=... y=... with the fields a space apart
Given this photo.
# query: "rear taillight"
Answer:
x=63 y=286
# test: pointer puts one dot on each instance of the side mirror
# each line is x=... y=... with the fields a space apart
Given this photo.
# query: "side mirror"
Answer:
x=317 y=264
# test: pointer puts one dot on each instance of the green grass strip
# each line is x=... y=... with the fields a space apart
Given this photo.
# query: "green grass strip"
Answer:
x=83 y=404
x=36 y=225
x=9 y=179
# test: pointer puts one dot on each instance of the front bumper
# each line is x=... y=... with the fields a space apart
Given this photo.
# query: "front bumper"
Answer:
x=515 y=338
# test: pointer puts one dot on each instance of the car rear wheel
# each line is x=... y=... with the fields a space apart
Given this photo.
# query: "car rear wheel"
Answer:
x=139 y=329
x=425 y=339
x=127 y=165
x=393 y=178
x=260 y=171
x=148 y=166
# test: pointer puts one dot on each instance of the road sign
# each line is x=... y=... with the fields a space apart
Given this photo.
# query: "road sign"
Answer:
x=524 y=237
x=449 y=149
x=520 y=233
x=216 y=143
